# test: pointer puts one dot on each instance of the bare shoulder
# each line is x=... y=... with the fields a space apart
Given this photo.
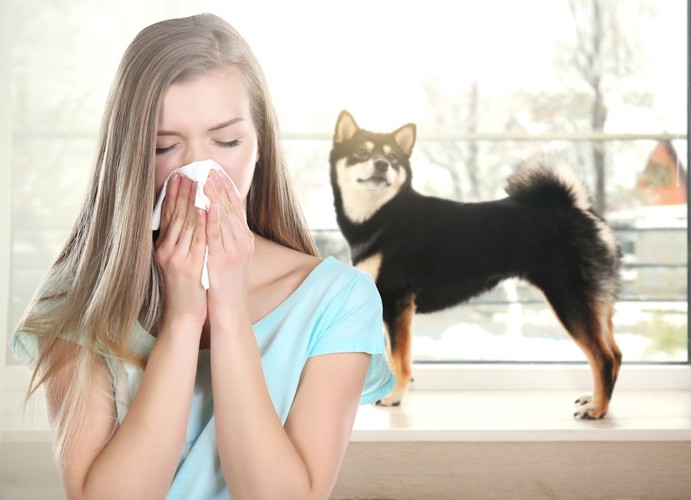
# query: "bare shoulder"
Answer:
x=277 y=272
x=282 y=261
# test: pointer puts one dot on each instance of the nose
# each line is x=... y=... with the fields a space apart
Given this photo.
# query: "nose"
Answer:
x=381 y=165
x=196 y=151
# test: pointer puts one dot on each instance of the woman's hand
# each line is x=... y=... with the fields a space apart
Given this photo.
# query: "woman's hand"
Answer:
x=179 y=251
x=231 y=246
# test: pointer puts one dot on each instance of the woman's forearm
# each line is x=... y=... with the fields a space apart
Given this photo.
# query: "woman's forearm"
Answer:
x=258 y=458
x=141 y=458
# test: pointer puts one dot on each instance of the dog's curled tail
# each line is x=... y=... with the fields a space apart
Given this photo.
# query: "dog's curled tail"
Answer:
x=546 y=180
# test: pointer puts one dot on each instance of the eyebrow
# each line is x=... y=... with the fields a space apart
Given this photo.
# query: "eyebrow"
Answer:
x=212 y=129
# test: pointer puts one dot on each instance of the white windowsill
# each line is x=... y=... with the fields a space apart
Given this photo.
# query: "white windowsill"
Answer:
x=525 y=416
x=531 y=403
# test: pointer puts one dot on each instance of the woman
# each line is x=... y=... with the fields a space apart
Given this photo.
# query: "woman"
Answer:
x=155 y=386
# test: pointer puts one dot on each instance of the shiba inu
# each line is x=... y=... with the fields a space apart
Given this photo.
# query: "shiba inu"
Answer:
x=426 y=253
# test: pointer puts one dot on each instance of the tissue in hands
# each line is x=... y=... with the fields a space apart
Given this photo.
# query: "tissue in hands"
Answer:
x=198 y=171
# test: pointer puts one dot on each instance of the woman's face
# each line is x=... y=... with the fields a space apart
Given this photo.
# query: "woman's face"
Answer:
x=208 y=118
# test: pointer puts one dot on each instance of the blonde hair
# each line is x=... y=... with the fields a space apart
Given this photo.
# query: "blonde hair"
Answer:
x=106 y=279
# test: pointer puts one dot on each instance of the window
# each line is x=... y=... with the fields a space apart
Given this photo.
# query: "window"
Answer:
x=486 y=92
x=487 y=85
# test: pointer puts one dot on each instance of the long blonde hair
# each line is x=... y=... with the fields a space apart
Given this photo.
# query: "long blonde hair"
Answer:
x=106 y=279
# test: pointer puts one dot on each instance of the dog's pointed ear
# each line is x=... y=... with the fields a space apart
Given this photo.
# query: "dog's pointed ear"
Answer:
x=345 y=127
x=405 y=138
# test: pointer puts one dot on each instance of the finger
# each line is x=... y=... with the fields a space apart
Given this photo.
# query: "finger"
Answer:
x=179 y=215
x=172 y=188
x=232 y=195
x=230 y=220
x=198 y=246
x=215 y=189
x=189 y=223
x=220 y=212
x=228 y=195
x=237 y=213
x=213 y=229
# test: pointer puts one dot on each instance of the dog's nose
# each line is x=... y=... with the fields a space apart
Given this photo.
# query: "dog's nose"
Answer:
x=381 y=165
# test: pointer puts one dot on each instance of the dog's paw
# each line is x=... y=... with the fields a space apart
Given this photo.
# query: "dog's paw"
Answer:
x=389 y=400
x=587 y=409
x=584 y=400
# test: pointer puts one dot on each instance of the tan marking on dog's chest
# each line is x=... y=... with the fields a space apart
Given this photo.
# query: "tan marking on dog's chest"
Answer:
x=371 y=265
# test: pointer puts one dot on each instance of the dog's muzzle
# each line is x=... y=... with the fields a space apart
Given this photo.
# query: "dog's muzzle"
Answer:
x=379 y=177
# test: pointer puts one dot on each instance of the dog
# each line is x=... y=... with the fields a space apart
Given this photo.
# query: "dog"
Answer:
x=426 y=253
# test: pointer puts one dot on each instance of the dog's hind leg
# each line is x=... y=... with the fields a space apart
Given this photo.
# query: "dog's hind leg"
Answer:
x=605 y=360
x=399 y=324
x=591 y=328
x=609 y=338
x=603 y=365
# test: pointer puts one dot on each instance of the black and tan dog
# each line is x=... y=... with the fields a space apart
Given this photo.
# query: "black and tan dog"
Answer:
x=426 y=254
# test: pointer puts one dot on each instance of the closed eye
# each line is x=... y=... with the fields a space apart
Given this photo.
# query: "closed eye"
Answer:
x=230 y=144
x=160 y=151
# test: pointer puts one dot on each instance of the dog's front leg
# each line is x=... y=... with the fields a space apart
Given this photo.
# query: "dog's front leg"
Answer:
x=399 y=349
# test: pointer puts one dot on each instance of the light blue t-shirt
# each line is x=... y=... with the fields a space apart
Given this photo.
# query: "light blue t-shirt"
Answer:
x=336 y=309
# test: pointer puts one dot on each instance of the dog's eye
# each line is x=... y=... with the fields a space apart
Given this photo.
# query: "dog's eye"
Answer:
x=362 y=153
x=393 y=159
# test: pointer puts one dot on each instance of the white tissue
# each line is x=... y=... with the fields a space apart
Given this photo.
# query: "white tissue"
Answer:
x=198 y=171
